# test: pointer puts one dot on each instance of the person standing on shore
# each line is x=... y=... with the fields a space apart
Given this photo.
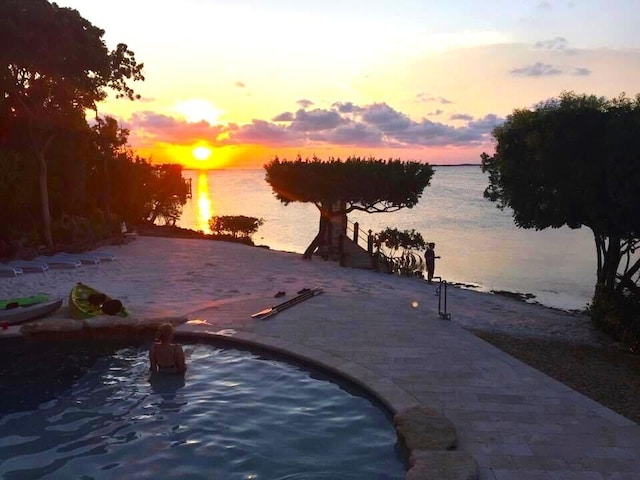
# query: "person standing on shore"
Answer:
x=430 y=258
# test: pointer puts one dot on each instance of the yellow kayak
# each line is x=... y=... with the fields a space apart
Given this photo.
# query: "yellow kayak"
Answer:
x=87 y=302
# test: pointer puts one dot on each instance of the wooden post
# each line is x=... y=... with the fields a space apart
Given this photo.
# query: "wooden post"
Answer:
x=356 y=228
x=370 y=243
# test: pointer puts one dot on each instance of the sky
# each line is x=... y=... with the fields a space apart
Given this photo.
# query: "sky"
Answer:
x=235 y=83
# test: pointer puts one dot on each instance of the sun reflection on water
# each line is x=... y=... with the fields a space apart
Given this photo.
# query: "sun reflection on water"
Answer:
x=205 y=210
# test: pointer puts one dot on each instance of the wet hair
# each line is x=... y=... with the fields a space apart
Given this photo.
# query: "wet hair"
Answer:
x=165 y=332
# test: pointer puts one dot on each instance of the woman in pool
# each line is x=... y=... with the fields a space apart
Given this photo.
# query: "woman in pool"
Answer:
x=165 y=356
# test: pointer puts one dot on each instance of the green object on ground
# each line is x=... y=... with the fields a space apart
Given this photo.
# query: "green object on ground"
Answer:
x=14 y=313
x=87 y=302
x=23 y=301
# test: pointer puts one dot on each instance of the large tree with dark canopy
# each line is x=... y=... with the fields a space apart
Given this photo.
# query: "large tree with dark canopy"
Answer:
x=54 y=65
x=575 y=161
x=338 y=187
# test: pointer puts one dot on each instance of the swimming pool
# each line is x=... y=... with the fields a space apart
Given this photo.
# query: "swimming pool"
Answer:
x=78 y=412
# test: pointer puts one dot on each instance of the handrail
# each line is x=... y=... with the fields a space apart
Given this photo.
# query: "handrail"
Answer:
x=439 y=292
x=351 y=228
x=381 y=251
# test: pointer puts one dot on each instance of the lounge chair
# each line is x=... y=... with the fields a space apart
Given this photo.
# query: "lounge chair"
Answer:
x=29 y=266
x=58 y=262
x=8 y=271
x=101 y=255
x=83 y=257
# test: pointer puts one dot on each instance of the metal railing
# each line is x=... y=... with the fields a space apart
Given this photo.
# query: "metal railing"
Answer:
x=441 y=292
x=366 y=241
x=359 y=238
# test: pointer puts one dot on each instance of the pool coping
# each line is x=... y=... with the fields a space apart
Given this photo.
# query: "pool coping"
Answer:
x=394 y=398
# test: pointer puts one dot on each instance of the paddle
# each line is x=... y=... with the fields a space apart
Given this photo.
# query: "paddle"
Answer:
x=267 y=312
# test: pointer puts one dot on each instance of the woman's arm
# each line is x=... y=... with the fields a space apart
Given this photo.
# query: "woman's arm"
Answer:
x=180 y=361
x=153 y=361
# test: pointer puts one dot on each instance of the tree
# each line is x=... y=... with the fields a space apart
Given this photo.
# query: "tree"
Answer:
x=58 y=66
x=110 y=141
x=237 y=226
x=168 y=193
x=575 y=161
x=338 y=188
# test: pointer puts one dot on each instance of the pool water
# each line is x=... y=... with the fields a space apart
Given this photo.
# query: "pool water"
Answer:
x=89 y=413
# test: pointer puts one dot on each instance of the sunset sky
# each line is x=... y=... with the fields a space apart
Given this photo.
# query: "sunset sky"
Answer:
x=233 y=83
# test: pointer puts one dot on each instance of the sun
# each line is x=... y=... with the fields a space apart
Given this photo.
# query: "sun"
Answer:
x=201 y=152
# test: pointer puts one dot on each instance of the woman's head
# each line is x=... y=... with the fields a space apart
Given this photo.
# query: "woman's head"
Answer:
x=165 y=332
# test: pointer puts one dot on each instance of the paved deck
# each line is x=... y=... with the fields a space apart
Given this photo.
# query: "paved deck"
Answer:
x=517 y=423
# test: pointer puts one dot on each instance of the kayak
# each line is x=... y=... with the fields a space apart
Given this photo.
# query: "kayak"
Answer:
x=87 y=302
x=14 y=312
x=23 y=301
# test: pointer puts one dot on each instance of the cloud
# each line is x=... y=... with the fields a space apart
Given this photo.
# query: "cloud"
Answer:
x=240 y=84
x=357 y=134
x=436 y=112
x=544 y=6
x=385 y=118
x=164 y=128
x=346 y=107
x=545 y=70
x=538 y=69
x=283 y=117
x=304 y=103
x=374 y=125
x=423 y=97
x=260 y=132
x=556 y=43
x=488 y=122
x=318 y=119
x=581 y=72
x=461 y=116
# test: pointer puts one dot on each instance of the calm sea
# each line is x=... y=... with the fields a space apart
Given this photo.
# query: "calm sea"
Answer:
x=478 y=243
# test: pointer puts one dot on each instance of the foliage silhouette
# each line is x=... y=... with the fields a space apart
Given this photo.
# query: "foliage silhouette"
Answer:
x=574 y=161
x=338 y=187
x=237 y=226
x=58 y=67
x=406 y=249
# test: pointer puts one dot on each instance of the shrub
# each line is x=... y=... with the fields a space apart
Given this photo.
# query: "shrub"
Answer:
x=237 y=226
x=618 y=314
x=405 y=251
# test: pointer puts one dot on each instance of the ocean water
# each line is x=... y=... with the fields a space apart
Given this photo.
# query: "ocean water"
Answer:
x=479 y=244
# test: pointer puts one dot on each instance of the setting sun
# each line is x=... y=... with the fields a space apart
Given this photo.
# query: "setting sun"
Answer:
x=201 y=152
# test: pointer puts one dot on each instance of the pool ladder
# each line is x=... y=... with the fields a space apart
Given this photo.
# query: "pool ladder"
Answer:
x=441 y=292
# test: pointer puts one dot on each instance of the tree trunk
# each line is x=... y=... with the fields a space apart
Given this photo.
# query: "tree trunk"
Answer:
x=600 y=253
x=611 y=263
x=320 y=237
x=44 y=200
x=107 y=187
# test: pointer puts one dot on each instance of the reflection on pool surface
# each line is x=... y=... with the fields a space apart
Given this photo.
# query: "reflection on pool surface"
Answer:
x=236 y=415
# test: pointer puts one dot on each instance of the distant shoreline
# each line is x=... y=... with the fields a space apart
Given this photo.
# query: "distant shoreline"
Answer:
x=260 y=168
